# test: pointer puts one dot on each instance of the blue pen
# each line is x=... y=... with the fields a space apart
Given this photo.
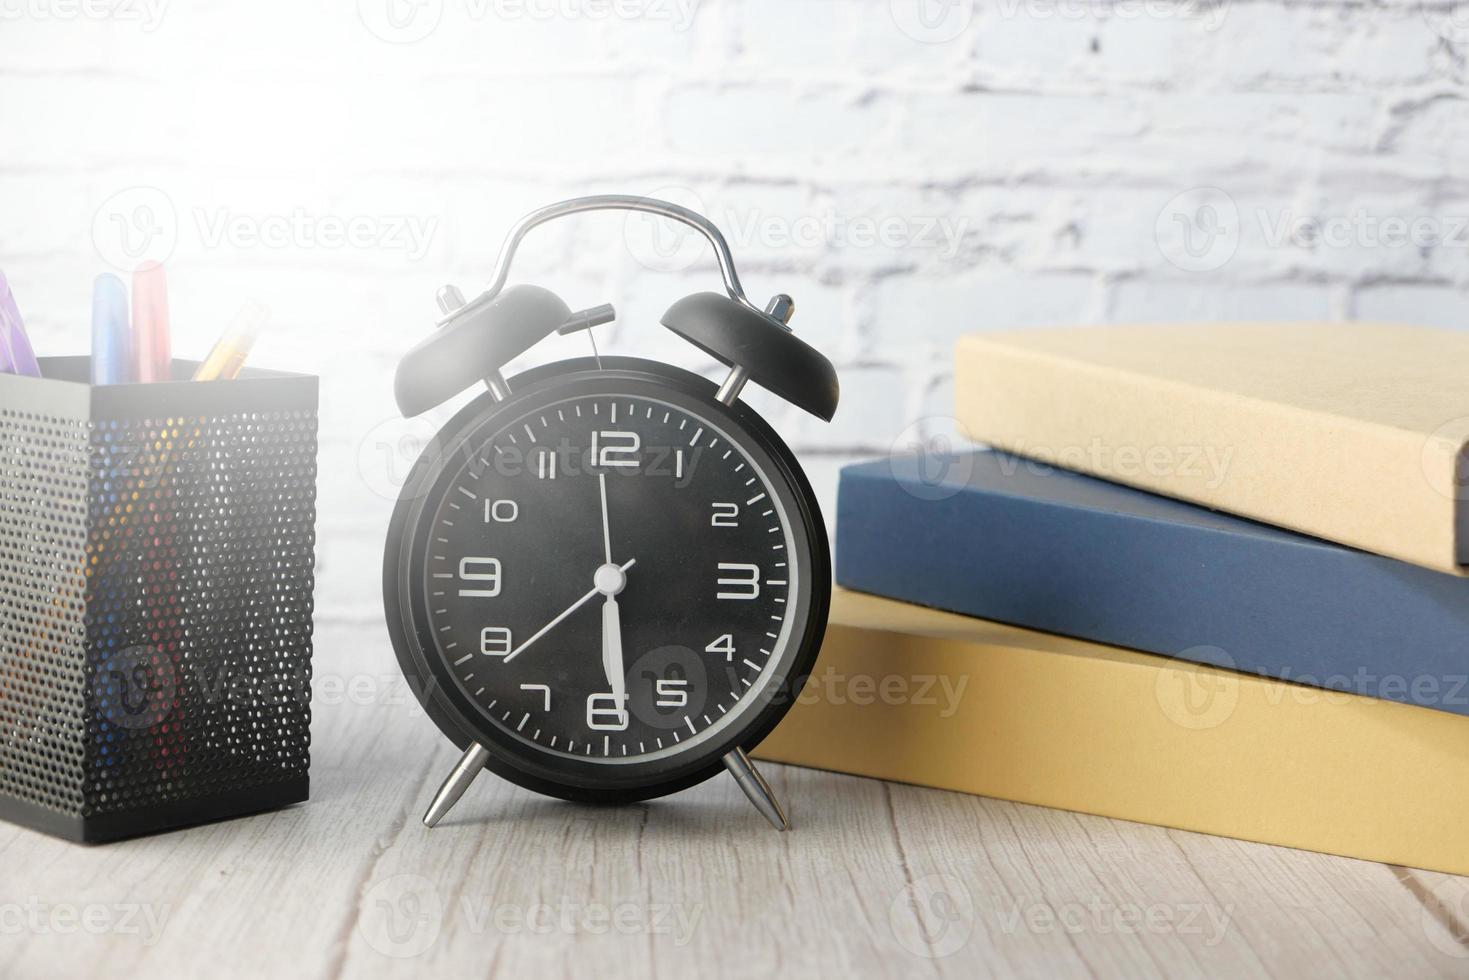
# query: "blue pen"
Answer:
x=112 y=355
x=16 y=355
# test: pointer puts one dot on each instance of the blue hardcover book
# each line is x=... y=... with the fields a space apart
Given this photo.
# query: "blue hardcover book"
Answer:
x=995 y=536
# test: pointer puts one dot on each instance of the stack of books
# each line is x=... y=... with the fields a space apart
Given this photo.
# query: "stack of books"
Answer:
x=1208 y=577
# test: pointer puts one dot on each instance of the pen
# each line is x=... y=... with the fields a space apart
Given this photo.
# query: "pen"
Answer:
x=152 y=357
x=112 y=360
x=16 y=355
x=228 y=355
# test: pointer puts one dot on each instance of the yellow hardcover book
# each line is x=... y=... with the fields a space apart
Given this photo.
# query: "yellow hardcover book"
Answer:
x=1352 y=432
x=914 y=695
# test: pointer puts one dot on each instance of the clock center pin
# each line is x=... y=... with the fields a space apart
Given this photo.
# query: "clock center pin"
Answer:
x=609 y=579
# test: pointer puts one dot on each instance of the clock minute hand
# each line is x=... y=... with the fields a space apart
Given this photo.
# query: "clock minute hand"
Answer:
x=567 y=612
x=610 y=582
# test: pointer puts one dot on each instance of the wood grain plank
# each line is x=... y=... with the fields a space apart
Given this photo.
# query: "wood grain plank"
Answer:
x=877 y=879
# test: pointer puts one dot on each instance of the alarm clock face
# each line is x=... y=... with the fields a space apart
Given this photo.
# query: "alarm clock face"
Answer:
x=613 y=580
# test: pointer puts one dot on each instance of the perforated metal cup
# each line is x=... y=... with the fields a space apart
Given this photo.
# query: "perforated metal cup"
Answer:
x=157 y=551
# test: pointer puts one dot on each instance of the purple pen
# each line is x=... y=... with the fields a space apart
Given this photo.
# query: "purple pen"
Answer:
x=152 y=356
x=16 y=355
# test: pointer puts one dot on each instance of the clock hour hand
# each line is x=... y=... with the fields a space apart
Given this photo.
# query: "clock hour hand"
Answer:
x=612 y=646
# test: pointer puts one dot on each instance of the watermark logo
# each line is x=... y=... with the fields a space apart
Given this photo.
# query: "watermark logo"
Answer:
x=135 y=225
x=933 y=917
x=401 y=916
x=404 y=916
x=932 y=21
x=135 y=688
x=401 y=21
x=1444 y=914
x=1445 y=459
x=1199 y=230
x=928 y=459
x=142 y=224
x=1450 y=22
x=662 y=244
x=1202 y=229
x=1196 y=697
x=387 y=453
x=666 y=245
x=668 y=684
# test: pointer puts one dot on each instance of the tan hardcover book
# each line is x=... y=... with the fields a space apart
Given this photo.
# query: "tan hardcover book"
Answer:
x=919 y=696
x=1351 y=432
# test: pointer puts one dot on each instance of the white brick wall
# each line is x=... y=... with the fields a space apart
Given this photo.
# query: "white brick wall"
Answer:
x=906 y=177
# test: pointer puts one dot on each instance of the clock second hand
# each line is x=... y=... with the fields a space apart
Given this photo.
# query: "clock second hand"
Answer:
x=568 y=611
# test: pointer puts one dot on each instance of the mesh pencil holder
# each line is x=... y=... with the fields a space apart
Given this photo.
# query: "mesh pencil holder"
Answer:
x=156 y=572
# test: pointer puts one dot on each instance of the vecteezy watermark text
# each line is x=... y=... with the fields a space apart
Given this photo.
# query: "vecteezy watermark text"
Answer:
x=1209 y=463
x=1101 y=917
x=404 y=915
x=409 y=21
x=147 y=14
x=143 y=223
x=40 y=918
x=664 y=245
x=834 y=687
x=1203 y=228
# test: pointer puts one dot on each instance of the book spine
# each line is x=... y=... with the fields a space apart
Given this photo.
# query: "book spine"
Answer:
x=1163 y=743
x=1276 y=605
x=1369 y=486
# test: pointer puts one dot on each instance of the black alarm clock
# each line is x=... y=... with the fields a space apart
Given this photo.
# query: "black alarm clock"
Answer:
x=608 y=578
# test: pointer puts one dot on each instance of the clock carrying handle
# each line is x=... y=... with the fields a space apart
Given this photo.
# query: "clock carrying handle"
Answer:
x=620 y=202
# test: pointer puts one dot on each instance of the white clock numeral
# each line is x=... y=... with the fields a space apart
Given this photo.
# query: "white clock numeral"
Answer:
x=623 y=445
x=494 y=641
x=725 y=515
x=605 y=713
x=490 y=575
x=545 y=689
x=678 y=464
x=746 y=578
x=501 y=511
x=723 y=644
x=546 y=464
x=672 y=692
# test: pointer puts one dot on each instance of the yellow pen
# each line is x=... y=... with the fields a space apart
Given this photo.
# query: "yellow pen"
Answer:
x=229 y=353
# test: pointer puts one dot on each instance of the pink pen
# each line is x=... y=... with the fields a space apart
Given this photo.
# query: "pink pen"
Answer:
x=152 y=355
x=16 y=355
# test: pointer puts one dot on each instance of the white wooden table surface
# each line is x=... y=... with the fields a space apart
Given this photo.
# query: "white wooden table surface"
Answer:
x=876 y=879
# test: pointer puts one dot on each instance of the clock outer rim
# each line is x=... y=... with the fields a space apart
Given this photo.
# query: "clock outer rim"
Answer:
x=459 y=726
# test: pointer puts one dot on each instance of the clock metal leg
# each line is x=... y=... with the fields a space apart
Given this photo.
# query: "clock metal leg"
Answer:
x=454 y=787
x=756 y=788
